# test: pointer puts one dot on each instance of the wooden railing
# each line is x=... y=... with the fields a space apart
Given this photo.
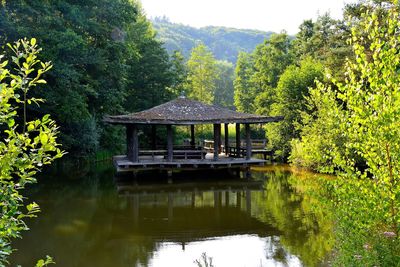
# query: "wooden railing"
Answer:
x=258 y=146
x=177 y=154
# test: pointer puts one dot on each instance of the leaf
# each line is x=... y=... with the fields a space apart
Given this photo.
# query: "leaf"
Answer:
x=46 y=118
x=43 y=138
x=11 y=123
x=33 y=41
x=2 y=65
x=31 y=127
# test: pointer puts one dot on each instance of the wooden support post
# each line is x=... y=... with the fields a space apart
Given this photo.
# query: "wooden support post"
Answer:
x=136 y=206
x=248 y=201
x=193 y=199
x=170 y=146
x=238 y=140
x=170 y=207
x=248 y=142
x=153 y=137
x=129 y=142
x=132 y=142
x=192 y=141
x=226 y=133
x=217 y=140
x=217 y=204
x=238 y=200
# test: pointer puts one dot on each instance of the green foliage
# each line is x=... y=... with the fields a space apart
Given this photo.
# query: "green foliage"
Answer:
x=151 y=73
x=224 y=43
x=179 y=71
x=47 y=261
x=270 y=60
x=321 y=138
x=372 y=98
x=106 y=61
x=324 y=40
x=256 y=75
x=25 y=147
x=275 y=78
x=244 y=89
x=361 y=141
x=223 y=95
x=202 y=74
x=291 y=92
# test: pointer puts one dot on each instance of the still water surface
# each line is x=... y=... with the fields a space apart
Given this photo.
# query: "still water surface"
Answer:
x=91 y=218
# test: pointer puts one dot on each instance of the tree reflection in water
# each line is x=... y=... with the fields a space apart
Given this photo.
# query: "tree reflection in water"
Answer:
x=267 y=220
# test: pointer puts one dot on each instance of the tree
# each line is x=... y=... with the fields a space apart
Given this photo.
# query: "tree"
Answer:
x=179 y=71
x=366 y=196
x=245 y=89
x=149 y=74
x=291 y=92
x=372 y=99
x=202 y=74
x=106 y=61
x=270 y=60
x=223 y=95
x=257 y=74
x=87 y=46
x=324 y=40
x=320 y=139
x=24 y=147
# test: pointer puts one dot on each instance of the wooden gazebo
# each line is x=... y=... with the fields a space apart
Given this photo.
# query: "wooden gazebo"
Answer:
x=186 y=112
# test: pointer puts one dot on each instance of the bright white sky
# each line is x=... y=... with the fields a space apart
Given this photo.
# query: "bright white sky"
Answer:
x=267 y=15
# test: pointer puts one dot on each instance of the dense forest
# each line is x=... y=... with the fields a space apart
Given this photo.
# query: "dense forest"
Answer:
x=106 y=61
x=224 y=43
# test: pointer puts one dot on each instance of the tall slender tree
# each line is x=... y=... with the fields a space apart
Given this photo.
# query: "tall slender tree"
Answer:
x=202 y=74
x=223 y=95
x=244 y=87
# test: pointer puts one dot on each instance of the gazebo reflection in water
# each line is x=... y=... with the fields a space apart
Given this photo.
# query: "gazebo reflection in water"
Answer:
x=186 y=112
x=207 y=204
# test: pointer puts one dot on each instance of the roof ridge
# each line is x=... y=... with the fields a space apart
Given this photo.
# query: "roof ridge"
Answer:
x=188 y=111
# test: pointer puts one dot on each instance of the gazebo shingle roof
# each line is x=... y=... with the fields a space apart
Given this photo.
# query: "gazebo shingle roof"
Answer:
x=183 y=111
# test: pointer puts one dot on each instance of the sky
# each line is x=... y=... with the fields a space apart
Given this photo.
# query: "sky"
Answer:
x=266 y=15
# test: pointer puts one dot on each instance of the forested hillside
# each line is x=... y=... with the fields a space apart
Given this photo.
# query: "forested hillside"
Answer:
x=224 y=43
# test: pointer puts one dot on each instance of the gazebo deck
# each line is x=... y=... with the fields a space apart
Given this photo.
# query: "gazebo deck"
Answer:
x=123 y=164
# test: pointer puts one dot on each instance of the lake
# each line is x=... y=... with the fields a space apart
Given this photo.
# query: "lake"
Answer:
x=268 y=217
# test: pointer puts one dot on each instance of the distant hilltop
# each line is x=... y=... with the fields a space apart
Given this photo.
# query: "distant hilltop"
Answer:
x=225 y=43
